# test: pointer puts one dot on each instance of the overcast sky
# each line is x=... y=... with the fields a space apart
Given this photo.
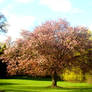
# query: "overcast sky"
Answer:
x=26 y=14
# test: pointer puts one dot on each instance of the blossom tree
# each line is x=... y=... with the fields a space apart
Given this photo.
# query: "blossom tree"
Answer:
x=56 y=43
x=49 y=49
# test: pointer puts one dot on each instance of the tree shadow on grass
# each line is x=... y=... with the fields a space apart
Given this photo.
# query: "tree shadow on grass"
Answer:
x=2 y=91
x=16 y=91
x=37 y=78
x=20 y=91
x=61 y=88
x=1 y=84
x=79 y=89
x=41 y=89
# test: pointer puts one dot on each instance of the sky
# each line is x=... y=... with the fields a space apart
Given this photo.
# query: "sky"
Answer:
x=27 y=14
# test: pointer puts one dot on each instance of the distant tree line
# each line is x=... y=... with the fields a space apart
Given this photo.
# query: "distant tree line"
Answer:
x=3 y=29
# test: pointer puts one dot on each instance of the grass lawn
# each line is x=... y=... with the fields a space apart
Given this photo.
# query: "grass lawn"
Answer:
x=26 y=85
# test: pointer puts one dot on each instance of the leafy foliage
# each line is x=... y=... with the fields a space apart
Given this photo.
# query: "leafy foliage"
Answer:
x=49 y=49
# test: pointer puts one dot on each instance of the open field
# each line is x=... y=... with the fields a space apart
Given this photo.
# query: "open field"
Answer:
x=26 y=85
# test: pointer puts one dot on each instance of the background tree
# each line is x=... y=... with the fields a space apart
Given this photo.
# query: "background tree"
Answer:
x=3 y=23
x=3 y=29
x=20 y=58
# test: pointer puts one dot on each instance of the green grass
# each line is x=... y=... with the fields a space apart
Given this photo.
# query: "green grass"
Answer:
x=27 y=85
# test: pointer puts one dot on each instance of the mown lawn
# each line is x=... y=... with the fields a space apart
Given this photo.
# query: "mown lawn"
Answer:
x=26 y=85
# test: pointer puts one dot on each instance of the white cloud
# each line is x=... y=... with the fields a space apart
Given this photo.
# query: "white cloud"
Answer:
x=90 y=27
x=17 y=23
x=61 y=6
x=1 y=1
x=77 y=10
x=24 y=1
x=58 y=5
x=2 y=38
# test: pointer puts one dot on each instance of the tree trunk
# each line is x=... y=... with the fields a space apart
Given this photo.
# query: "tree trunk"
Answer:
x=84 y=77
x=83 y=72
x=54 y=79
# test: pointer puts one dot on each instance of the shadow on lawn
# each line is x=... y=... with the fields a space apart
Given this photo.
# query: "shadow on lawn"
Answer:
x=20 y=91
x=16 y=91
x=59 y=88
x=2 y=91
x=63 y=88
x=37 y=78
x=1 y=84
x=41 y=89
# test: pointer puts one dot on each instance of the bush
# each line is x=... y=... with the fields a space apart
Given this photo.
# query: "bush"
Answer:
x=75 y=74
x=89 y=78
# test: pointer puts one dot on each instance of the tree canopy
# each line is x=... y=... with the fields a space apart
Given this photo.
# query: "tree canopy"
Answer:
x=49 y=49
